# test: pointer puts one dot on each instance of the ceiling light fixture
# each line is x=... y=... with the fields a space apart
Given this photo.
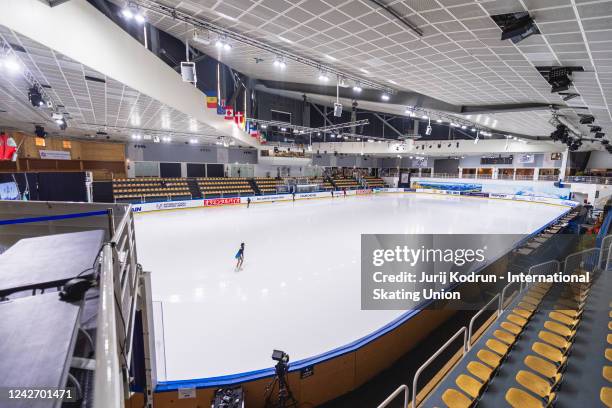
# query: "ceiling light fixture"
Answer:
x=385 y=97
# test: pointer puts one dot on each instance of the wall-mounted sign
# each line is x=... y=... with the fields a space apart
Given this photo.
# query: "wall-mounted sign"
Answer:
x=555 y=156
x=54 y=155
x=526 y=158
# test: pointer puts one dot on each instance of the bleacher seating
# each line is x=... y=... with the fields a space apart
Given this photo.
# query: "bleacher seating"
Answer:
x=374 y=182
x=267 y=185
x=526 y=353
x=150 y=189
x=224 y=186
x=325 y=184
x=348 y=183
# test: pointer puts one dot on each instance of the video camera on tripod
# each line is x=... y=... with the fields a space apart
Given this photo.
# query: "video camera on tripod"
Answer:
x=285 y=396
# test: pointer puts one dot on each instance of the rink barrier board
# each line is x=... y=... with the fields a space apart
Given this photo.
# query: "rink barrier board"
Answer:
x=331 y=378
x=356 y=362
x=222 y=202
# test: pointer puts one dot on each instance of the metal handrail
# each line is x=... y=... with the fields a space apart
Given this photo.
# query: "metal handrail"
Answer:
x=606 y=250
x=481 y=311
x=108 y=391
x=401 y=389
x=433 y=357
x=503 y=296
x=554 y=261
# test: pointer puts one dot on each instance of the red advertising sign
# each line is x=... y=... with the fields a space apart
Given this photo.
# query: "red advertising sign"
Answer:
x=367 y=191
x=221 y=201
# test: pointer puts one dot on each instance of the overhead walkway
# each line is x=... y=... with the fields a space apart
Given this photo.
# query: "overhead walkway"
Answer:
x=79 y=31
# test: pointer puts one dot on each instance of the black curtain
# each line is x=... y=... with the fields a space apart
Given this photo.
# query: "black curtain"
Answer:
x=170 y=169
x=103 y=192
x=196 y=170
x=61 y=187
x=214 y=170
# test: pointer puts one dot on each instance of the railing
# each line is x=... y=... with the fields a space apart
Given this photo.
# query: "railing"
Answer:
x=401 y=389
x=544 y=268
x=120 y=277
x=463 y=331
x=605 y=254
x=481 y=311
x=588 y=179
x=502 y=297
x=143 y=199
x=108 y=384
x=547 y=177
x=586 y=260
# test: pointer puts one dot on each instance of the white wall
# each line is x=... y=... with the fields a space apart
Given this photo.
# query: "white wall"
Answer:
x=600 y=160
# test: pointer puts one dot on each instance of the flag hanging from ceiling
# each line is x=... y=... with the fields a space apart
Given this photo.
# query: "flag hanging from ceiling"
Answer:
x=8 y=147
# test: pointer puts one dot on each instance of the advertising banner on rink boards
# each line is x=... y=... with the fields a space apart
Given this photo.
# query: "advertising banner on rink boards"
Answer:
x=455 y=271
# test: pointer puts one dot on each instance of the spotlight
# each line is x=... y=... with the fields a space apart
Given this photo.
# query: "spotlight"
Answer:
x=463 y=127
x=439 y=120
x=323 y=77
x=39 y=131
x=219 y=44
x=357 y=88
x=385 y=97
x=11 y=64
x=35 y=97
x=127 y=13
x=558 y=78
x=264 y=126
x=139 y=18
x=61 y=123
x=227 y=47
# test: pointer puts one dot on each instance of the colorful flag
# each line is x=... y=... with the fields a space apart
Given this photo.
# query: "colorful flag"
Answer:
x=211 y=102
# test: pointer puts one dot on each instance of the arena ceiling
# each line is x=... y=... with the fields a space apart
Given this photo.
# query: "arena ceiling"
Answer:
x=92 y=101
x=460 y=58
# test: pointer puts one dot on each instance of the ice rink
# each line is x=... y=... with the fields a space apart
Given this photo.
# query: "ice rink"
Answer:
x=299 y=290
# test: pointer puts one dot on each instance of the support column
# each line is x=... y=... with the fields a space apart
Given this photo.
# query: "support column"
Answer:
x=460 y=172
x=564 y=164
x=536 y=174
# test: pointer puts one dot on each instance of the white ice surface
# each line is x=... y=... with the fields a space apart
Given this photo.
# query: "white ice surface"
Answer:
x=299 y=290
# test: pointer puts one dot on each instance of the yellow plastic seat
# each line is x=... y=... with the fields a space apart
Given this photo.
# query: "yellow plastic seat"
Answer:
x=511 y=327
x=559 y=329
x=527 y=306
x=609 y=325
x=526 y=314
x=544 y=368
x=480 y=371
x=549 y=352
x=607 y=373
x=519 y=321
x=489 y=358
x=469 y=385
x=534 y=383
x=498 y=347
x=518 y=398
x=608 y=354
x=554 y=340
x=609 y=338
x=531 y=300
x=606 y=396
x=561 y=318
x=504 y=336
x=572 y=314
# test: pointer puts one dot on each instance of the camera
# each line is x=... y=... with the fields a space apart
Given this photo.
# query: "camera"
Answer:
x=280 y=356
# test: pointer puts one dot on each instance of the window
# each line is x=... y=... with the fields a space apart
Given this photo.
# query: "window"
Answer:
x=67 y=144
x=40 y=142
